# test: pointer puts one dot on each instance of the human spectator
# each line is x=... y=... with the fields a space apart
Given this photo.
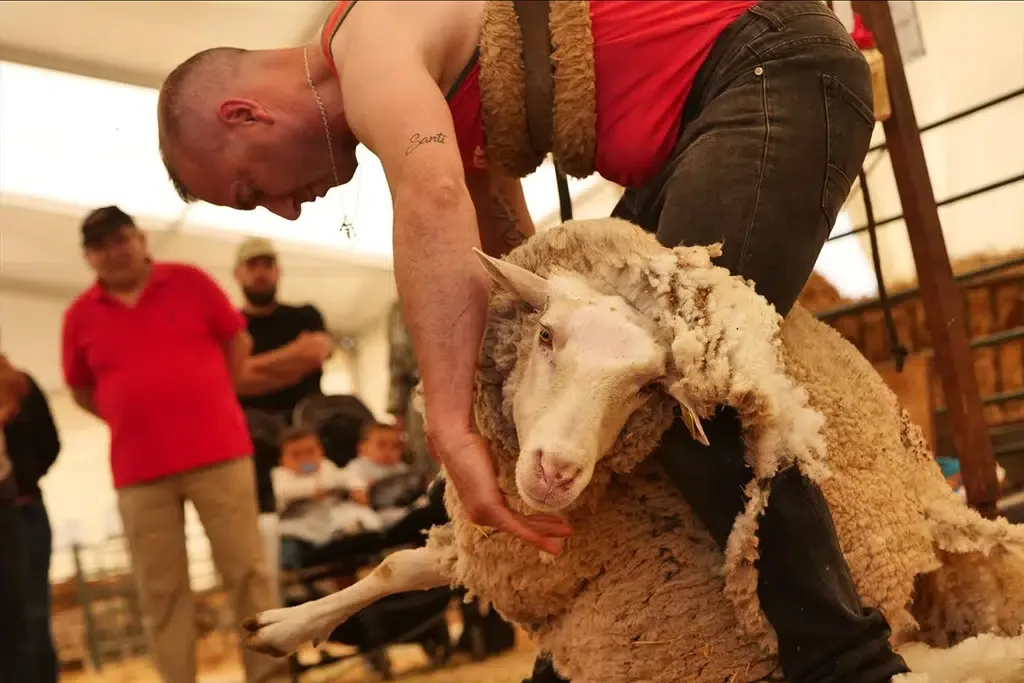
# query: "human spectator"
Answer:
x=317 y=501
x=154 y=349
x=289 y=343
x=32 y=447
x=289 y=347
x=14 y=645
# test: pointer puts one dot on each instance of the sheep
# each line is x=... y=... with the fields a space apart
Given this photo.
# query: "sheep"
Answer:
x=640 y=592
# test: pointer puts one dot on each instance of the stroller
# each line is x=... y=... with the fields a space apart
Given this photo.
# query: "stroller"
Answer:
x=417 y=617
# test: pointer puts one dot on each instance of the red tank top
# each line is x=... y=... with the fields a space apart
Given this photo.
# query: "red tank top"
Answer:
x=646 y=56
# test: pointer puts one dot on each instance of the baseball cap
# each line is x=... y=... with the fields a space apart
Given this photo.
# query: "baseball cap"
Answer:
x=102 y=223
x=254 y=247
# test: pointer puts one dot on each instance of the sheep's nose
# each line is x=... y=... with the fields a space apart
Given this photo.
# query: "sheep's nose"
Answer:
x=555 y=470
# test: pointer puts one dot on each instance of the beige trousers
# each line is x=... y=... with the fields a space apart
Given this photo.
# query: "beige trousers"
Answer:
x=271 y=547
x=153 y=516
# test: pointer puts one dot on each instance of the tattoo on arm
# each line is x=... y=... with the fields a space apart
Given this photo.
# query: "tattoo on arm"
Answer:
x=417 y=140
x=505 y=219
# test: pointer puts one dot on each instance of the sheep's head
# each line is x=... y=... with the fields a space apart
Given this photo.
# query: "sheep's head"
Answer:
x=562 y=374
x=591 y=361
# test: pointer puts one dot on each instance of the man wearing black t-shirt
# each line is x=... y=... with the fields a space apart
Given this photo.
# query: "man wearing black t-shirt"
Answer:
x=289 y=343
x=289 y=347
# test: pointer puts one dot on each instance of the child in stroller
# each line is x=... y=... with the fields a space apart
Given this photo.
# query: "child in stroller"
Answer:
x=320 y=503
x=378 y=465
x=335 y=520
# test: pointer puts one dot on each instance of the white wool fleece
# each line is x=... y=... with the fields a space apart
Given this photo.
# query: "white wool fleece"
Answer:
x=726 y=349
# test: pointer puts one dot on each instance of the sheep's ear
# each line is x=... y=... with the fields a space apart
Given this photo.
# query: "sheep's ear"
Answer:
x=530 y=287
x=690 y=418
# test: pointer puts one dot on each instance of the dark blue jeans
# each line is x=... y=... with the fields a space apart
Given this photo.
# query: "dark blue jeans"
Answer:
x=38 y=546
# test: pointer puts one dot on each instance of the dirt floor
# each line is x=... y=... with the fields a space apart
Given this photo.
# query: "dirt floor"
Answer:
x=410 y=667
x=219 y=664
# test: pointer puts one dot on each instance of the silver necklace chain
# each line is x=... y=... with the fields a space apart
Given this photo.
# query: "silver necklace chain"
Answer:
x=346 y=224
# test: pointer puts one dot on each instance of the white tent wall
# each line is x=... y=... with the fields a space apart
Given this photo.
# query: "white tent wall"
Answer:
x=974 y=51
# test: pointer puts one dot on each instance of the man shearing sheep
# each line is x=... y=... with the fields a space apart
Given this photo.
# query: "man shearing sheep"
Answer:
x=740 y=122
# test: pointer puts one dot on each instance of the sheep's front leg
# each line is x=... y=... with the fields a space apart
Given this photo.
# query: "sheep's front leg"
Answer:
x=279 y=632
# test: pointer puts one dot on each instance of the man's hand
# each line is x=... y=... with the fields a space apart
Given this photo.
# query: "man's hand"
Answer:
x=471 y=470
x=316 y=347
x=8 y=408
x=14 y=387
x=10 y=404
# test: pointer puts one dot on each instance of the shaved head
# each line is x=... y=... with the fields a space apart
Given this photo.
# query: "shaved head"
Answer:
x=244 y=129
x=187 y=104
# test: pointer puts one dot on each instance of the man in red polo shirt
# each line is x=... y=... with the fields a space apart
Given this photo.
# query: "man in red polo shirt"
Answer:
x=153 y=350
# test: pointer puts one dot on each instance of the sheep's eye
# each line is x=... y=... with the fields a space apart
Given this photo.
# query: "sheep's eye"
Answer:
x=544 y=336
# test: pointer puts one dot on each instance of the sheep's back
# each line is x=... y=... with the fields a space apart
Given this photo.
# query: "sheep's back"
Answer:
x=875 y=493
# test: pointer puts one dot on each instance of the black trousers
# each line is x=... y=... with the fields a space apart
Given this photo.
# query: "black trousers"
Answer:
x=15 y=645
x=37 y=538
x=775 y=128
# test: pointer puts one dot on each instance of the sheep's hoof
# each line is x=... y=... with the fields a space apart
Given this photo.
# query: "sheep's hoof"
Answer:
x=280 y=632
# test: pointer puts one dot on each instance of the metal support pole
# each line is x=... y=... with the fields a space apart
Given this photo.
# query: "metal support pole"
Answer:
x=939 y=294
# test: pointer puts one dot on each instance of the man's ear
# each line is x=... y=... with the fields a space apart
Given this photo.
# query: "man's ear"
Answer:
x=530 y=287
x=238 y=111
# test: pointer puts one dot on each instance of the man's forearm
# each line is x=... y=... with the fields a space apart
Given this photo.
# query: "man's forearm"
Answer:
x=283 y=362
x=444 y=294
x=273 y=370
x=254 y=382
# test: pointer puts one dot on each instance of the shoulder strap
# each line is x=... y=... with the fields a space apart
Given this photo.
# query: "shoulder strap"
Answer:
x=331 y=27
x=535 y=28
x=533 y=19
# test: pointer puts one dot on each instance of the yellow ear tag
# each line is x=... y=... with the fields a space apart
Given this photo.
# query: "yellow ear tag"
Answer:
x=693 y=424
